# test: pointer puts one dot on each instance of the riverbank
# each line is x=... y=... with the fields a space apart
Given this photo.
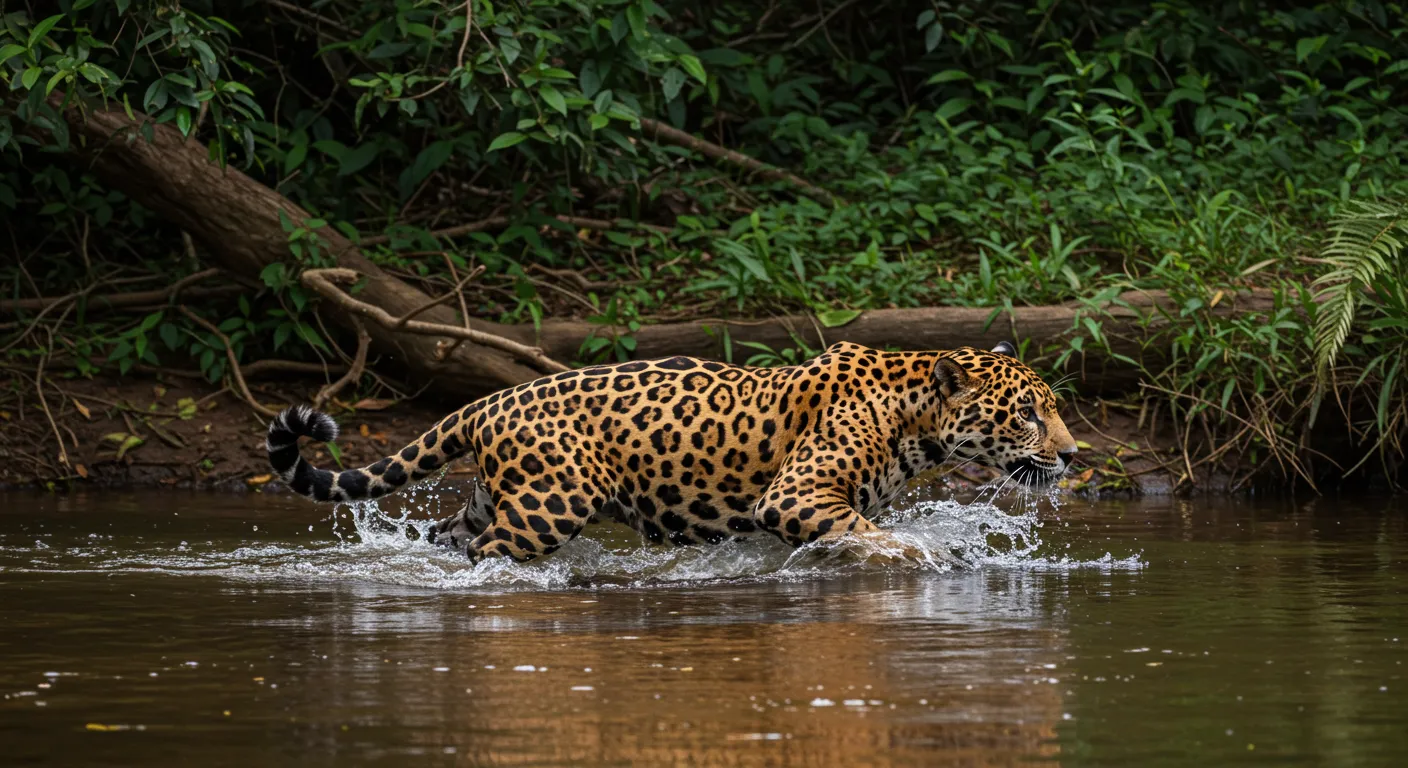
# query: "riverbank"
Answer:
x=138 y=432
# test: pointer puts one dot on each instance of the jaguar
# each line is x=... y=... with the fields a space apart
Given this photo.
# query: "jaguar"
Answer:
x=690 y=451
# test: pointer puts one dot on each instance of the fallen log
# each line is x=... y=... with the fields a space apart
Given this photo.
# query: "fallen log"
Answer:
x=1133 y=326
x=239 y=221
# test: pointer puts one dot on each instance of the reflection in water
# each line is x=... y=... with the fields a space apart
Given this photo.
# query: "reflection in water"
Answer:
x=236 y=627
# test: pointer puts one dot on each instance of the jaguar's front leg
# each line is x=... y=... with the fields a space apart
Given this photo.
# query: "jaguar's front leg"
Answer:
x=799 y=508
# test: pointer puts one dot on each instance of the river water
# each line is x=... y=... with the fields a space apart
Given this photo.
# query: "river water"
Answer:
x=174 y=628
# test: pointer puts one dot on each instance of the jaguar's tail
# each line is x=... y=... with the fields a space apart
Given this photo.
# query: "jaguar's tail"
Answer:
x=440 y=445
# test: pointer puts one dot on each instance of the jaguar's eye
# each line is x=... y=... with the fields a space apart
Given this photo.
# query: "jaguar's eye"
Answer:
x=1027 y=412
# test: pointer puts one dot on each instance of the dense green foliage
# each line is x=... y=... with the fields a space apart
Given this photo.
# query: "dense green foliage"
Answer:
x=988 y=154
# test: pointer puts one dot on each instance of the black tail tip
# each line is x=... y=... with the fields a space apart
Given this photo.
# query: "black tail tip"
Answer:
x=306 y=422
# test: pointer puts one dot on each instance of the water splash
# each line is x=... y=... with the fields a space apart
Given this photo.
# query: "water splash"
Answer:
x=384 y=543
x=390 y=547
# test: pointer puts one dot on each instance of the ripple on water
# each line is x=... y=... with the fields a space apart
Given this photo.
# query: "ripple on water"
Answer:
x=388 y=548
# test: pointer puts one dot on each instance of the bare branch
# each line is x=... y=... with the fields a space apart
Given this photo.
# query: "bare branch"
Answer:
x=234 y=362
x=499 y=222
x=321 y=281
x=444 y=299
x=119 y=300
x=660 y=132
x=359 y=364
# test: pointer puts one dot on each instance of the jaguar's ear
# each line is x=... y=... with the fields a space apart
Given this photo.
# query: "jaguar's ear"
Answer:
x=950 y=377
x=1005 y=348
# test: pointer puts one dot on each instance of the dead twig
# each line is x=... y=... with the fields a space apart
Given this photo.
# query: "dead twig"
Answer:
x=499 y=222
x=459 y=57
x=118 y=300
x=658 y=131
x=359 y=364
x=581 y=281
x=323 y=282
x=234 y=362
x=314 y=16
x=819 y=25
x=44 y=404
x=445 y=299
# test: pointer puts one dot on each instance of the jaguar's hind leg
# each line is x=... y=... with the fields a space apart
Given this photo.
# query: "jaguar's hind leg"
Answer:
x=472 y=519
x=523 y=531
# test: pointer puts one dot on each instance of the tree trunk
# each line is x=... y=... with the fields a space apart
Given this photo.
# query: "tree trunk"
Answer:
x=237 y=220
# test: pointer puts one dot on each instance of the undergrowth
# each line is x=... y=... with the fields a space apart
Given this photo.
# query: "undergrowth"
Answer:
x=988 y=155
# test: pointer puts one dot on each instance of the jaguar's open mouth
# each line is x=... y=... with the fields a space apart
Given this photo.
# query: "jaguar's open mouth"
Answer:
x=1035 y=474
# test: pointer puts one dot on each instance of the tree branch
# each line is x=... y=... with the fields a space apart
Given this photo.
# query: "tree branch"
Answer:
x=321 y=281
x=499 y=222
x=133 y=299
x=654 y=129
x=359 y=364
x=234 y=362
x=444 y=299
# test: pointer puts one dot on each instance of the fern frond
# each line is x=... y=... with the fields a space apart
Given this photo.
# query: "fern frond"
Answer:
x=1365 y=241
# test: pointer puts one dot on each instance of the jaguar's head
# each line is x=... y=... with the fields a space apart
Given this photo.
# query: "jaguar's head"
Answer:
x=997 y=412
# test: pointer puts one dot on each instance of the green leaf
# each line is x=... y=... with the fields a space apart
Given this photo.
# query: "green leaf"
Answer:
x=672 y=82
x=42 y=28
x=635 y=15
x=506 y=140
x=53 y=81
x=932 y=36
x=171 y=335
x=553 y=98
x=754 y=266
x=427 y=162
x=356 y=159
x=1309 y=45
x=295 y=157
x=589 y=79
x=207 y=59
x=948 y=76
x=183 y=120
x=30 y=77
x=388 y=50
x=155 y=97
x=835 y=318
x=1126 y=86
x=10 y=51
x=1347 y=115
x=952 y=108
x=692 y=65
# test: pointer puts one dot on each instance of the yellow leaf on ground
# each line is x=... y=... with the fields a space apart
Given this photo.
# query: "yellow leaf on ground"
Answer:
x=364 y=430
x=83 y=409
x=1084 y=446
x=372 y=404
x=259 y=479
x=81 y=470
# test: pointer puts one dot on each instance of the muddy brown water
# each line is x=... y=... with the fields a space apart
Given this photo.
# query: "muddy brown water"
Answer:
x=184 y=629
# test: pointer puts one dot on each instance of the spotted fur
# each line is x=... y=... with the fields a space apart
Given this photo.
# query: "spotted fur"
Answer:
x=688 y=451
